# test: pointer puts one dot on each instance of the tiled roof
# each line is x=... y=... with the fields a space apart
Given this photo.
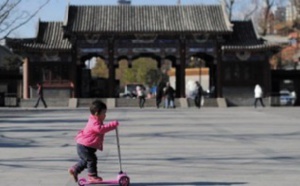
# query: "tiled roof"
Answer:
x=244 y=38
x=134 y=19
x=49 y=37
x=249 y=47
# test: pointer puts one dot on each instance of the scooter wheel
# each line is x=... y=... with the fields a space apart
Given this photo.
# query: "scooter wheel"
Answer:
x=82 y=182
x=124 y=181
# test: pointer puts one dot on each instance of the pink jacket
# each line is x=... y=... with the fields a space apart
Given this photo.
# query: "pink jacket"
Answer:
x=93 y=133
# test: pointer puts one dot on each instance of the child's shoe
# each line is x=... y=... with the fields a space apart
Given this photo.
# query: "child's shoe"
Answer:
x=94 y=179
x=73 y=173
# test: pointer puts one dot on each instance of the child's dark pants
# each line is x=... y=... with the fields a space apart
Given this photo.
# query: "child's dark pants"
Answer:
x=88 y=159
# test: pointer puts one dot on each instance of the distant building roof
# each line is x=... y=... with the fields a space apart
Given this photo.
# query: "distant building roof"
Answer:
x=9 y=64
x=244 y=37
x=153 y=19
x=276 y=39
x=49 y=37
x=4 y=51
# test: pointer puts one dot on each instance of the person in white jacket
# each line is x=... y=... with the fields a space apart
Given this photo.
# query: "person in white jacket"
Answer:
x=258 y=95
x=141 y=96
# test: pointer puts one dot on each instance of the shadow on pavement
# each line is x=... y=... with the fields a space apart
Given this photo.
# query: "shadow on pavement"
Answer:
x=187 y=183
x=71 y=183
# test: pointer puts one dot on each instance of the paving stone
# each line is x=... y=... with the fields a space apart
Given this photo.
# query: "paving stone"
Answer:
x=182 y=146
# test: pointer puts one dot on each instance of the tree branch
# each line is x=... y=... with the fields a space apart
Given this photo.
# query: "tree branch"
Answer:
x=251 y=12
x=6 y=9
x=9 y=27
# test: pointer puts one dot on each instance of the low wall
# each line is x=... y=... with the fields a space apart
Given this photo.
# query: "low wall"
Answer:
x=123 y=102
x=52 y=92
x=242 y=101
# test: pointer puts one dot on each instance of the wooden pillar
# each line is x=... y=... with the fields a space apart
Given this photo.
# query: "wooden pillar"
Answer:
x=177 y=79
x=267 y=76
x=158 y=63
x=180 y=75
x=219 y=85
x=111 y=69
x=25 y=78
x=75 y=75
x=74 y=72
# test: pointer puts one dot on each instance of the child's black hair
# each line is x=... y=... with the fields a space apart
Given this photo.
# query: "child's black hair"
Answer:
x=97 y=106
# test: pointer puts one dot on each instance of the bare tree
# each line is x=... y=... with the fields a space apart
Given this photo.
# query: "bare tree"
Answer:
x=269 y=4
x=296 y=4
x=251 y=9
x=240 y=9
x=11 y=18
x=229 y=7
x=265 y=17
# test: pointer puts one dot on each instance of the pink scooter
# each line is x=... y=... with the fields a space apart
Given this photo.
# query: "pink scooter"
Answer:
x=122 y=178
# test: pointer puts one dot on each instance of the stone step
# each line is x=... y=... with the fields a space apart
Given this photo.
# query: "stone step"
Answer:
x=207 y=102
x=128 y=102
x=86 y=102
x=124 y=102
x=118 y=102
x=51 y=102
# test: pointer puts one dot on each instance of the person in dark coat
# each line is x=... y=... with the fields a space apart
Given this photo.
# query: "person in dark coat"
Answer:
x=170 y=96
x=40 y=92
x=159 y=93
x=198 y=97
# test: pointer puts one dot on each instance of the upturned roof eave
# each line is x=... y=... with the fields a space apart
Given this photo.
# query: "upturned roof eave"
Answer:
x=25 y=47
x=38 y=49
x=110 y=32
x=259 y=47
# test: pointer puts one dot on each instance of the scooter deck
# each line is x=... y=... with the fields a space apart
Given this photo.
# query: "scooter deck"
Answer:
x=122 y=179
x=104 y=182
x=84 y=182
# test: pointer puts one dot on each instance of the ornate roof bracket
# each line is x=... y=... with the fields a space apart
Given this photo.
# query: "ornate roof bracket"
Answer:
x=201 y=38
x=243 y=55
x=92 y=38
x=145 y=38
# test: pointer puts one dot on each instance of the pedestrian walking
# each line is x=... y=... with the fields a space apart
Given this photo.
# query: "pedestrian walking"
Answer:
x=140 y=91
x=258 y=95
x=40 y=92
x=198 y=94
x=169 y=96
x=159 y=93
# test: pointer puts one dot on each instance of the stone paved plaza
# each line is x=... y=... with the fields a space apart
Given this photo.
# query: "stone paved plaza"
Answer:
x=166 y=147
